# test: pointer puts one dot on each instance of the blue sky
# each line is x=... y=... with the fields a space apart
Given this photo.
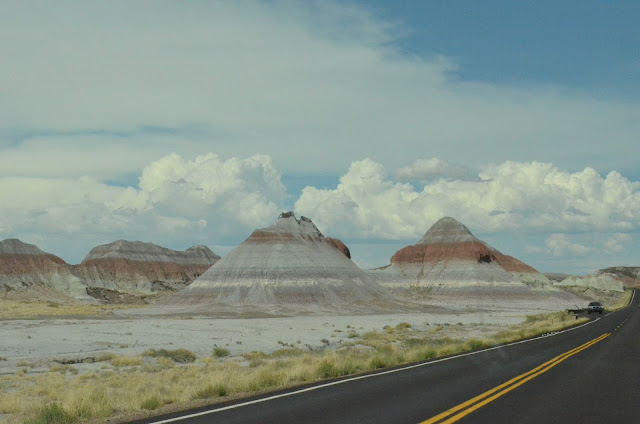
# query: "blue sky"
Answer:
x=592 y=45
x=197 y=122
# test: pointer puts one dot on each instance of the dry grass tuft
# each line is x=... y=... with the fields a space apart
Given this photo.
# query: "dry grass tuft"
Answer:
x=182 y=356
x=127 y=361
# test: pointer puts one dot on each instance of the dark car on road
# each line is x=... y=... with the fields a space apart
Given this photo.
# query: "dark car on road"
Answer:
x=595 y=307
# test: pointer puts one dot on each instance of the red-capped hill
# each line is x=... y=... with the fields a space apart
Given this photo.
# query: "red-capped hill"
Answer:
x=450 y=254
x=447 y=239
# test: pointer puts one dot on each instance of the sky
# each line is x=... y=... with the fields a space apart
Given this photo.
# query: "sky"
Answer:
x=184 y=123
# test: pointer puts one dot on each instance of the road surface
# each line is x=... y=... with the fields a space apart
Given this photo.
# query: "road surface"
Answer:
x=589 y=374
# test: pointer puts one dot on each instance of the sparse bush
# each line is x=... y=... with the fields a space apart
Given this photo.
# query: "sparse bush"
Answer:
x=474 y=344
x=353 y=334
x=105 y=357
x=380 y=361
x=126 y=361
x=254 y=354
x=211 y=391
x=182 y=356
x=52 y=414
x=424 y=354
x=63 y=369
x=151 y=403
x=403 y=326
x=326 y=369
x=220 y=352
x=284 y=353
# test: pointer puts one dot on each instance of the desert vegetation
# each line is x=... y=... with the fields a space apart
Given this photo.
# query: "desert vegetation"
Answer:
x=14 y=309
x=164 y=379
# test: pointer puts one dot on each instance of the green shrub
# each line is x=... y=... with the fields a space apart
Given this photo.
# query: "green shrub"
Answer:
x=220 y=352
x=151 y=404
x=326 y=369
x=423 y=355
x=52 y=414
x=474 y=344
x=380 y=361
x=211 y=391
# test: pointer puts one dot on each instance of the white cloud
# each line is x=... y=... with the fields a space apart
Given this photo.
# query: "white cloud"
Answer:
x=313 y=84
x=616 y=243
x=512 y=196
x=182 y=201
x=428 y=169
x=560 y=245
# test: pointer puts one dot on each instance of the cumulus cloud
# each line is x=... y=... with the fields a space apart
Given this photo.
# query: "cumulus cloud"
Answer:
x=428 y=169
x=560 y=245
x=207 y=200
x=529 y=196
x=316 y=82
x=616 y=243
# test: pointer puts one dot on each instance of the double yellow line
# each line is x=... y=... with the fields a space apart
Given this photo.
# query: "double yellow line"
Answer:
x=479 y=401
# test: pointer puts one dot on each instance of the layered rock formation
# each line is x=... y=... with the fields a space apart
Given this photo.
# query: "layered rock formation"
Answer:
x=628 y=275
x=595 y=281
x=449 y=261
x=288 y=264
x=123 y=268
x=24 y=267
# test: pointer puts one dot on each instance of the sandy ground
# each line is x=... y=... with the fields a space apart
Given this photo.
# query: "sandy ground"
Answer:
x=35 y=344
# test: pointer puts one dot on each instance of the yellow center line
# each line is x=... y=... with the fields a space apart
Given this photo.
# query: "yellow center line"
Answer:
x=519 y=380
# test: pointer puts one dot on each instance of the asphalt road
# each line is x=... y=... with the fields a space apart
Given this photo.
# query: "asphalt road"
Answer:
x=590 y=374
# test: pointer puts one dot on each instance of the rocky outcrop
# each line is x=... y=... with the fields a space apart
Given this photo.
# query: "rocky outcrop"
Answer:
x=25 y=267
x=595 y=281
x=137 y=268
x=338 y=244
x=627 y=275
x=288 y=264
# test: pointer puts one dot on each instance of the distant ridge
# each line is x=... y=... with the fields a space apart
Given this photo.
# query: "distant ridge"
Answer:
x=135 y=268
x=26 y=268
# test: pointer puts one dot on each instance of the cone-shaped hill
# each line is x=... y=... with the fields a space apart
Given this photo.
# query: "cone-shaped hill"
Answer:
x=290 y=264
x=450 y=260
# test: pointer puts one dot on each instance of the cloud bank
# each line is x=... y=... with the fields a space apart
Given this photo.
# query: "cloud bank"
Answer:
x=212 y=200
x=531 y=196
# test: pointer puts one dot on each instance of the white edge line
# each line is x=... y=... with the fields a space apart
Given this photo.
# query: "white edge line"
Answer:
x=360 y=377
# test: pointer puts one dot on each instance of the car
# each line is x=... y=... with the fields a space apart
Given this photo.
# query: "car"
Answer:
x=595 y=307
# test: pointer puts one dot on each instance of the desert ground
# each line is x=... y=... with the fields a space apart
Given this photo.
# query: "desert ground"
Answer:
x=110 y=365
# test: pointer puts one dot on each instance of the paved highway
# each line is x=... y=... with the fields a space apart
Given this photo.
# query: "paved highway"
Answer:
x=589 y=374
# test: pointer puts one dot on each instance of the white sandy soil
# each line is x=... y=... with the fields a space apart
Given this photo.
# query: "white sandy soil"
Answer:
x=35 y=344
